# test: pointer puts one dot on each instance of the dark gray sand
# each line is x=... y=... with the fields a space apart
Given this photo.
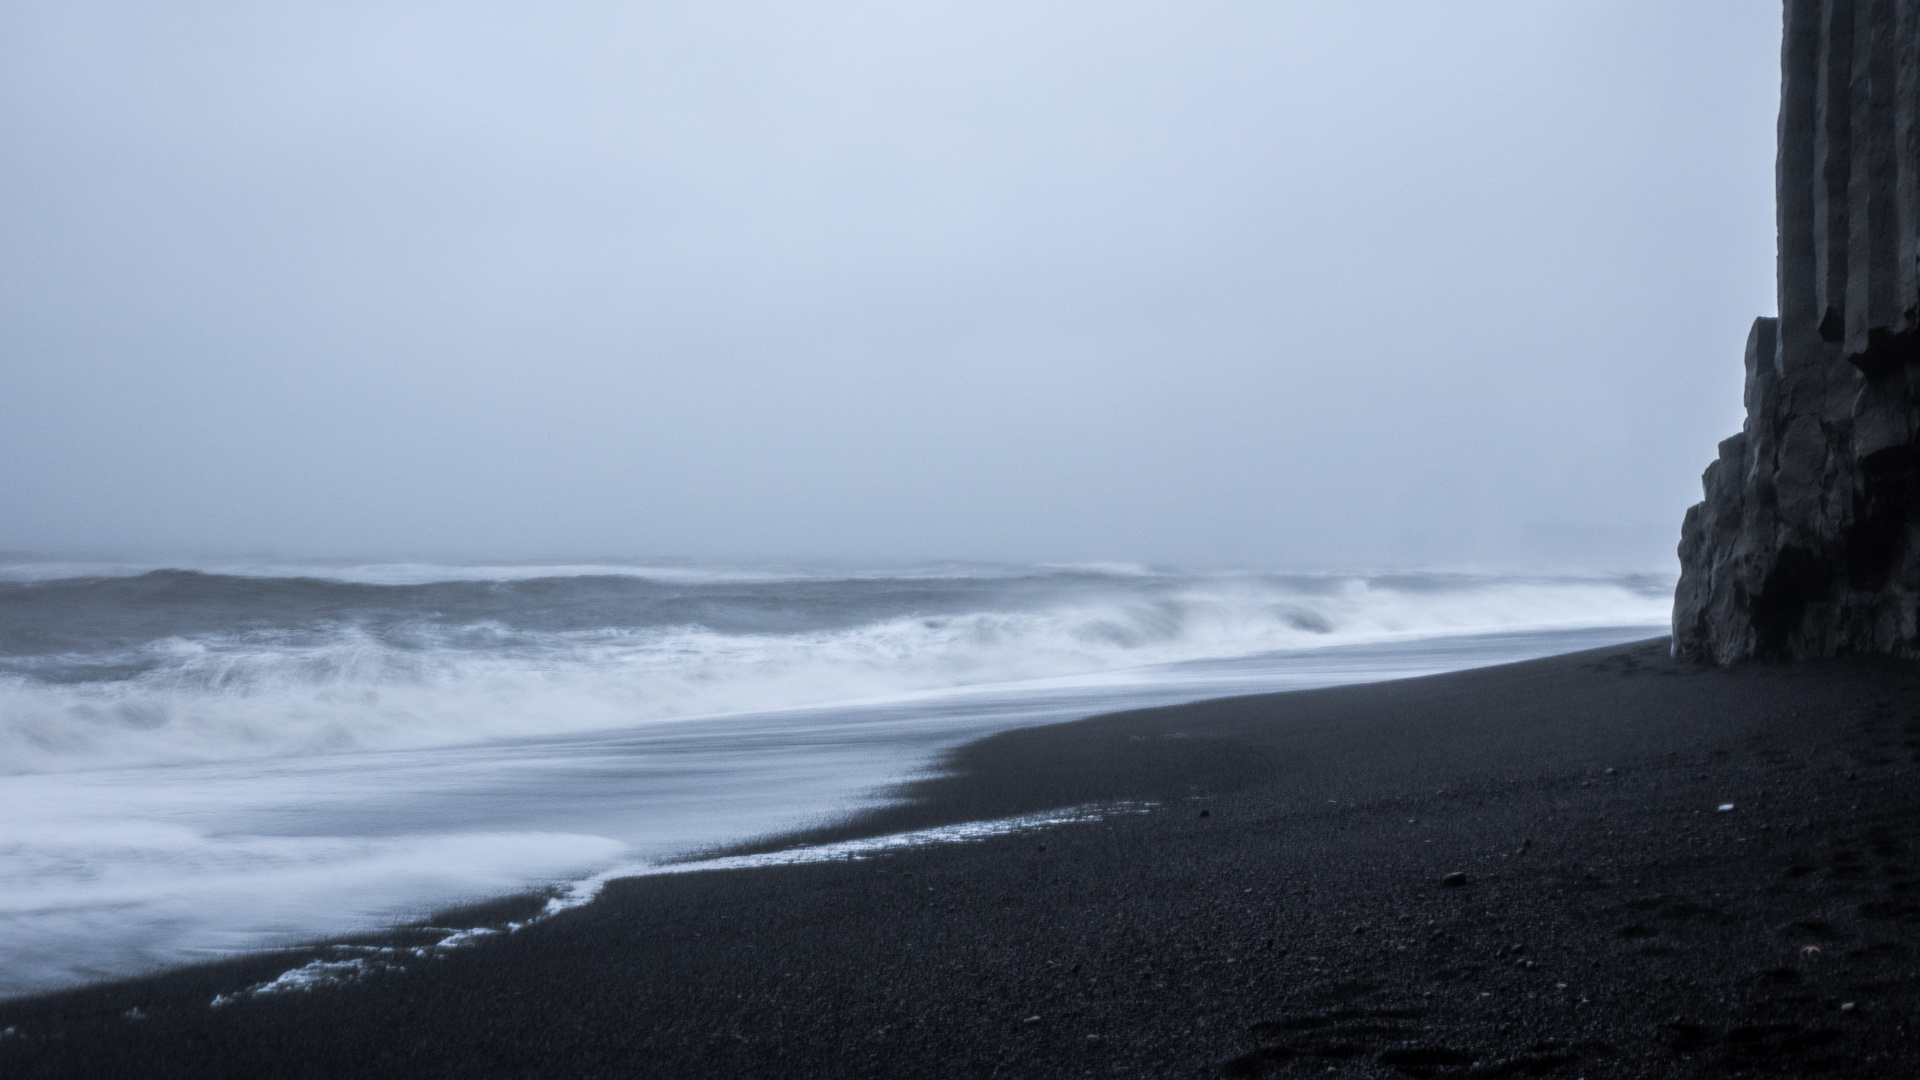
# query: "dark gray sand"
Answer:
x=1283 y=912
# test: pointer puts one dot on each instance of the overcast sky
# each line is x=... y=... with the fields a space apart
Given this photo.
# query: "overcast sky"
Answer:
x=1278 y=284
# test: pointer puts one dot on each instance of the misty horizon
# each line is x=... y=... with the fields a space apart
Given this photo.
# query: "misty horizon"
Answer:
x=1376 y=288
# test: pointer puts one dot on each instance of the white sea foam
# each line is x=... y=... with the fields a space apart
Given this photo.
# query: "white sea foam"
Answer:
x=194 y=764
x=585 y=890
x=340 y=686
x=78 y=877
x=348 y=963
x=112 y=871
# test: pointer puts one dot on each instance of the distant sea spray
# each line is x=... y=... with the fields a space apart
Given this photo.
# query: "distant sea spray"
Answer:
x=113 y=666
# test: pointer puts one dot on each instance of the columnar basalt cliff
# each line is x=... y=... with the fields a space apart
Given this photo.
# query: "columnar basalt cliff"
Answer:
x=1808 y=542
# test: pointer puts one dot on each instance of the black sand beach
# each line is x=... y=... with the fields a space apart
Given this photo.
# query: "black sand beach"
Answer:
x=1283 y=911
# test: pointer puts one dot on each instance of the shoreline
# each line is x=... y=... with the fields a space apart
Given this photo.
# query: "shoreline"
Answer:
x=250 y=854
x=1300 y=924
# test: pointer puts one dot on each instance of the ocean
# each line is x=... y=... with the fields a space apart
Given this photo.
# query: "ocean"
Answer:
x=201 y=761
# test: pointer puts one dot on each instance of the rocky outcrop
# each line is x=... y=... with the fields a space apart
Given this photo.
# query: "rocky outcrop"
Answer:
x=1808 y=541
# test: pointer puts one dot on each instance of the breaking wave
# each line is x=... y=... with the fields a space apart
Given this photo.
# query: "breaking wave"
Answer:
x=177 y=665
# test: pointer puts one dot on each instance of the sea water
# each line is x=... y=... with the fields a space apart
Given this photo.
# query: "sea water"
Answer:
x=195 y=762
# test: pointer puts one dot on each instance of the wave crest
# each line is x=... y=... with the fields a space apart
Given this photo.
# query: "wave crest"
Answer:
x=378 y=674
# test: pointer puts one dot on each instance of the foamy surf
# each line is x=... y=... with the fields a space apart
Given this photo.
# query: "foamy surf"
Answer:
x=194 y=764
x=349 y=963
x=176 y=667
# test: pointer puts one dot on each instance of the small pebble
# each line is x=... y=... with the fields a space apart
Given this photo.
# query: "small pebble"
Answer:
x=1725 y=806
x=1206 y=813
x=1846 y=1006
x=1454 y=880
x=1031 y=1020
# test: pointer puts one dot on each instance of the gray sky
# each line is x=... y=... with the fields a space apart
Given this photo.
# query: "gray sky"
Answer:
x=1275 y=284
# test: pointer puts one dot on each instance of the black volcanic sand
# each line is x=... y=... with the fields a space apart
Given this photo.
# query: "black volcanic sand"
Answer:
x=1282 y=912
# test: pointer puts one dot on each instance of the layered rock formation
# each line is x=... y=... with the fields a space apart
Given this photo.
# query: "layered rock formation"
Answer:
x=1808 y=542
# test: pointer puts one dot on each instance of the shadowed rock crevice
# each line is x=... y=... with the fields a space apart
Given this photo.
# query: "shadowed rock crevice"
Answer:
x=1808 y=540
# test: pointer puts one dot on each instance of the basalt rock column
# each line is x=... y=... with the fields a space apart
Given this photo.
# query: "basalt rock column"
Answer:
x=1808 y=542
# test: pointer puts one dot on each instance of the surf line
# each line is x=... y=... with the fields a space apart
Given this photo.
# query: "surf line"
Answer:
x=345 y=964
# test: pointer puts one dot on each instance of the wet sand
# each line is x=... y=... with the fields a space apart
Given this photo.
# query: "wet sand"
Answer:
x=1283 y=910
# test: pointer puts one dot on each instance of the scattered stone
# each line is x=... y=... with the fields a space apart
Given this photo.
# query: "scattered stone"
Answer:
x=1846 y=1006
x=1031 y=1020
x=1725 y=806
x=1206 y=813
x=1454 y=880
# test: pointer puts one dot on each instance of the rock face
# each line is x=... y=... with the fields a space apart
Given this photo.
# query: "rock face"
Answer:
x=1808 y=542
